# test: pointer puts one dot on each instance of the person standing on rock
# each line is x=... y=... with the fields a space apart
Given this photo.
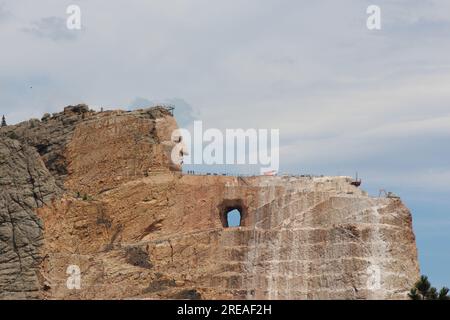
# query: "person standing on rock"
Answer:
x=4 y=121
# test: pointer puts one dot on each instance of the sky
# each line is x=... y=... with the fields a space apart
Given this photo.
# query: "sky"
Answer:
x=344 y=98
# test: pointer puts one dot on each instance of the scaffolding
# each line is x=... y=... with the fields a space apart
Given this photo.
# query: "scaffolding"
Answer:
x=168 y=107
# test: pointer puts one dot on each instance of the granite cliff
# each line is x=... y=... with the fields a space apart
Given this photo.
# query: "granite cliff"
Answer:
x=98 y=190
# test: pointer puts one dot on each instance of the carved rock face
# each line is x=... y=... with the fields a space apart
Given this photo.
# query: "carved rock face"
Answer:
x=138 y=228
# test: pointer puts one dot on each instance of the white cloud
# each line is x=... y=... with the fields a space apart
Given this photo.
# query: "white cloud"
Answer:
x=311 y=69
x=53 y=28
x=344 y=98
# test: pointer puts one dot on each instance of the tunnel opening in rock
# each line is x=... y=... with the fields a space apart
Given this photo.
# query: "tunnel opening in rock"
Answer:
x=234 y=218
x=232 y=213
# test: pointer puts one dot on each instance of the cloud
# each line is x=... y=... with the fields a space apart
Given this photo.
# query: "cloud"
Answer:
x=184 y=113
x=344 y=98
x=53 y=28
x=139 y=102
x=4 y=13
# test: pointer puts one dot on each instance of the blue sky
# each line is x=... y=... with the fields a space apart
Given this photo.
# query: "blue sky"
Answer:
x=345 y=98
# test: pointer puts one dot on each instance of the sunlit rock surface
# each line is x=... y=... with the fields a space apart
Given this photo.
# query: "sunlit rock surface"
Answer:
x=138 y=228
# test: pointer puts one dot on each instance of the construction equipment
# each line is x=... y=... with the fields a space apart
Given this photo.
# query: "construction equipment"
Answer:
x=168 y=107
x=388 y=194
x=357 y=182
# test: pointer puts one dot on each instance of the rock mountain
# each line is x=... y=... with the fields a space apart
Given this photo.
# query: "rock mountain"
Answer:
x=97 y=190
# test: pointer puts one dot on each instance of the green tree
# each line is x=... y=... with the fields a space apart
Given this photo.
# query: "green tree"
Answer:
x=423 y=286
x=414 y=295
x=423 y=290
x=443 y=294
x=432 y=294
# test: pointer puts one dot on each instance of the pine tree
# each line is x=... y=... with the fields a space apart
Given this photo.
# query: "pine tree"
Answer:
x=423 y=286
x=424 y=291
x=432 y=294
x=3 y=121
x=443 y=294
x=414 y=295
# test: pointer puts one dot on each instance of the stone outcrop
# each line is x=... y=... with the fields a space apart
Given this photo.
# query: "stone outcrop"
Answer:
x=25 y=185
x=139 y=228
